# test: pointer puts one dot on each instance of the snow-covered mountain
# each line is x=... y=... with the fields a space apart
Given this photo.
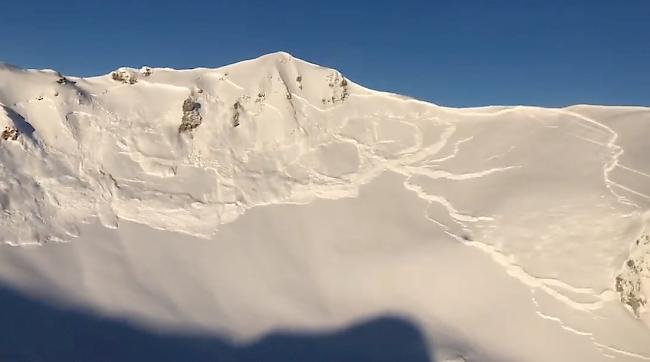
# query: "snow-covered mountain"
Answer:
x=277 y=194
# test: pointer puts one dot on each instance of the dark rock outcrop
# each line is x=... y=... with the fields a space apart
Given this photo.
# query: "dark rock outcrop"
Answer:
x=191 y=115
x=9 y=134
x=635 y=272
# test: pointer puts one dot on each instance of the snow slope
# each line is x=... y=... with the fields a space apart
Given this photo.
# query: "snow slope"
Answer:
x=190 y=196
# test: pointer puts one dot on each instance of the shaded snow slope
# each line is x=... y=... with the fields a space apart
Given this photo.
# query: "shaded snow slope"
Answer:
x=549 y=202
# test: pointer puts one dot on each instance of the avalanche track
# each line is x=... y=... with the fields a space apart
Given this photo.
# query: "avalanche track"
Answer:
x=428 y=208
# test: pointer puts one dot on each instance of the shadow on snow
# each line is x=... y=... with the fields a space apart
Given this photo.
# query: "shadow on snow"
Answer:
x=34 y=331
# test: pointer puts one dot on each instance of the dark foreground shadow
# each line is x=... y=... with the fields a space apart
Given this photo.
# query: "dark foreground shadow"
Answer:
x=33 y=331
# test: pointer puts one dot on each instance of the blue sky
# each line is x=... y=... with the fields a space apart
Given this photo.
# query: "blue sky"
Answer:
x=456 y=53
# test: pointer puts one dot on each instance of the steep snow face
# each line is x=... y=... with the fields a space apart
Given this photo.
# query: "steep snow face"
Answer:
x=127 y=146
x=555 y=198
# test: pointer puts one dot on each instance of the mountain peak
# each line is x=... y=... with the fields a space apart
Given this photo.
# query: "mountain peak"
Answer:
x=529 y=202
x=164 y=123
x=279 y=55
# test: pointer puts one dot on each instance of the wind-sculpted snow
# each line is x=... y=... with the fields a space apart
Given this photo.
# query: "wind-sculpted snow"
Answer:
x=555 y=197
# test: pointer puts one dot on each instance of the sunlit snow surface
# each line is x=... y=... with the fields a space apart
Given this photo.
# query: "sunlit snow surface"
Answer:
x=504 y=233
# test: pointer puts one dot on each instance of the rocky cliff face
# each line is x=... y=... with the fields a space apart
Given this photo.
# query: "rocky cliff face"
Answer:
x=633 y=282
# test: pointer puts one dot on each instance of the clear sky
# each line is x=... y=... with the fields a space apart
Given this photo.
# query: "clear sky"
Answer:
x=453 y=52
